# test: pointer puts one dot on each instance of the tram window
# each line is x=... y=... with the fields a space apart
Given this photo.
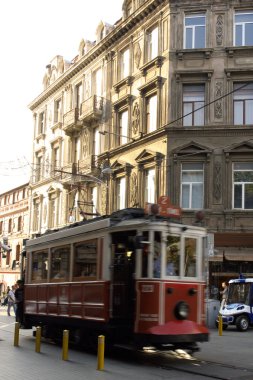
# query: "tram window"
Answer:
x=85 y=259
x=172 y=256
x=144 y=255
x=60 y=259
x=190 y=254
x=39 y=265
x=157 y=255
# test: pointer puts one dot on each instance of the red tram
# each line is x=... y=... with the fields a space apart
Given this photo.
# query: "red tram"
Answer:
x=133 y=278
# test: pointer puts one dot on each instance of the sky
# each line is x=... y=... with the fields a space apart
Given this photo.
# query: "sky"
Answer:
x=32 y=33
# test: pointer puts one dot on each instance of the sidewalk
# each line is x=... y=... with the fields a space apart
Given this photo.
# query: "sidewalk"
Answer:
x=232 y=348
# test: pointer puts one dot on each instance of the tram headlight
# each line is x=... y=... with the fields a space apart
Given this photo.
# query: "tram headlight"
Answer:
x=182 y=310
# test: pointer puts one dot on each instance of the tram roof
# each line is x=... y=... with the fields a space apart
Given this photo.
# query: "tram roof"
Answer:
x=130 y=217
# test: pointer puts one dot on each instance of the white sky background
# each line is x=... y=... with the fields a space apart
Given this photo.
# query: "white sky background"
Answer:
x=32 y=33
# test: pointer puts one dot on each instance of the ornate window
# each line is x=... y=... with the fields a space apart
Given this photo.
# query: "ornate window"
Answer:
x=79 y=97
x=190 y=178
x=57 y=111
x=243 y=103
x=195 y=31
x=94 y=198
x=243 y=185
x=243 y=28
x=36 y=212
x=152 y=49
x=151 y=95
x=121 y=121
x=10 y=225
x=149 y=176
x=41 y=123
x=39 y=166
x=151 y=113
x=53 y=207
x=120 y=179
x=192 y=185
x=125 y=63
x=193 y=104
x=123 y=127
x=20 y=221
x=96 y=142
x=121 y=192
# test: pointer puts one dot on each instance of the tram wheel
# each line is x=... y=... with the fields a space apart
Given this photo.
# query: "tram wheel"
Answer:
x=242 y=323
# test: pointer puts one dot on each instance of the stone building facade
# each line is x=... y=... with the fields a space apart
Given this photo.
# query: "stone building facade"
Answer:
x=14 y=215
x=159 y=104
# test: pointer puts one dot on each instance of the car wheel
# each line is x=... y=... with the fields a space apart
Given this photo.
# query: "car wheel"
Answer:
x=242 y=323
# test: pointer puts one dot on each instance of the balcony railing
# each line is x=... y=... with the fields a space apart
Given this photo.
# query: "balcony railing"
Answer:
x=79 y=172
x=71 y=121
x=92 y=108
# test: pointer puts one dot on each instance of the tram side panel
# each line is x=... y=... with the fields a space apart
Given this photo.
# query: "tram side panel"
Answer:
x=86 y=300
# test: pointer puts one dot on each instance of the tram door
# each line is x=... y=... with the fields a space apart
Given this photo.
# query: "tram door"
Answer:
x=123 y=268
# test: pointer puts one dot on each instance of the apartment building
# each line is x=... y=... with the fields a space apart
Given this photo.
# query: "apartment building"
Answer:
x=159 y=104
x=14 y=214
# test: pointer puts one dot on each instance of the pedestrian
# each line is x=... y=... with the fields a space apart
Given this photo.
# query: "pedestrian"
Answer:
x=224 y=294
x=5 y=301
x=11 y=301
x=19 y=299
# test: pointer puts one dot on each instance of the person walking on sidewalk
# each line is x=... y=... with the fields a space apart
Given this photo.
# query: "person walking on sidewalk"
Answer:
x=19 y=296
x=11 y=301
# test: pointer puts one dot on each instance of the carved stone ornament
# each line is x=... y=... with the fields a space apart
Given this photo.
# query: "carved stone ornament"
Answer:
x=133 y=190
x=136 y=118
x=137 y=54
x=219 y=30
x=218 y=104
x=85 y=143
x=217 y=181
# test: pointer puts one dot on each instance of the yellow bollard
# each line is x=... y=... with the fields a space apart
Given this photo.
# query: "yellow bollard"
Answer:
x=220 y=325
x=38 y=339
x=16 y=334
x=65 y=345
x=101 y=352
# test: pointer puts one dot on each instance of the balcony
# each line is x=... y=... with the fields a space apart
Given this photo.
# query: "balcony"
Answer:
x=92 y=109
x=71 y=121
x=85 y=170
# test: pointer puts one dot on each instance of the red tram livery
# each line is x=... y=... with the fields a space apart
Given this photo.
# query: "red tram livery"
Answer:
x=133 y=278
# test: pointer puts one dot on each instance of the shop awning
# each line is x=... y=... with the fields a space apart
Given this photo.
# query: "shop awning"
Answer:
x=230 y=254
x=215 y=258
x=238 y=256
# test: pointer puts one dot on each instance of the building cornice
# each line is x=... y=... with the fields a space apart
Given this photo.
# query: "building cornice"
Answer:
x=210 y=130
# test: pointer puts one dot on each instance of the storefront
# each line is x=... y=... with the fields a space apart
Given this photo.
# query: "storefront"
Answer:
x=233 y=255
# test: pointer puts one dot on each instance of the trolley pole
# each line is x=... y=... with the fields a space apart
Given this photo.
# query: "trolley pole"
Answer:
x=101 y=352
x=65 y=345
x=38 y=339
x=16 y=334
